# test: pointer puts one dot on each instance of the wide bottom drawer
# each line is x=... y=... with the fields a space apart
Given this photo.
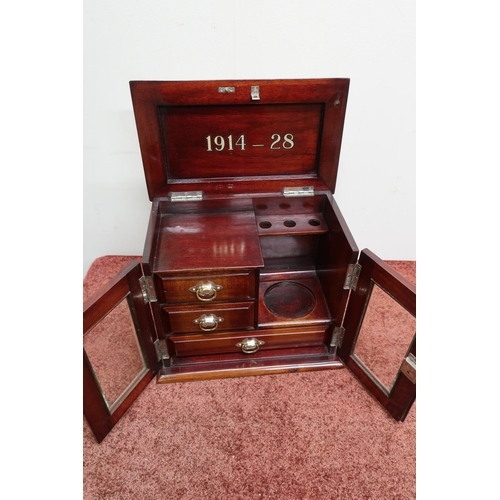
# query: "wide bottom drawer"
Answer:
x=246 y=342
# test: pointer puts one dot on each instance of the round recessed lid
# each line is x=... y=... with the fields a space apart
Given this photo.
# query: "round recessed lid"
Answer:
x=289 y=300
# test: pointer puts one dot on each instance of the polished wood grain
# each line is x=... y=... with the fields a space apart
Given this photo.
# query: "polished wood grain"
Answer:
x=237 y=286
x=234 y=315
x=218 y=343
x=336 y=251
x=191 y=111
x=190 y=368
x=208 y=241
x=265 y=134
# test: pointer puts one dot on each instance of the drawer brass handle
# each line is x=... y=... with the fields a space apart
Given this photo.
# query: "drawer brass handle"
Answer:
x=248 y=346
x=208 y=322
x=205 y=290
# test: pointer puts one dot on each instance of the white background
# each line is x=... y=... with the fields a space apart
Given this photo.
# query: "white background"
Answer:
x=373 y=44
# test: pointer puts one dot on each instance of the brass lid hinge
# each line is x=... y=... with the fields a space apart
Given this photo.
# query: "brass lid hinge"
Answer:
x=186 y=196
x=298 y=191
x=351 y=279
x=148 y=289
x=337 y=336
x=161 y=350
x=409 y=367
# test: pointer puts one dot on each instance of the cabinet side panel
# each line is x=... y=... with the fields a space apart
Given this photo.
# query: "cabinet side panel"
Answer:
x=336 y=251
x=151 y=241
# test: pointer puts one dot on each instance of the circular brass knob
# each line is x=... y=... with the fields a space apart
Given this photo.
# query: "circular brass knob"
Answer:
x=249 y=346
x=205 y=290
x=208 y=322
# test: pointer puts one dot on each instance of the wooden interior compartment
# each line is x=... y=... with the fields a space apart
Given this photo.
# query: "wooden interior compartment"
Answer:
x=316 y=257
x=288 y=229
x=320 y=253
x=299 y=300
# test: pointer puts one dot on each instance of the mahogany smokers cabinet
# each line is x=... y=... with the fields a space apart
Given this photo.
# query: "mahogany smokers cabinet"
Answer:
x=248 y=267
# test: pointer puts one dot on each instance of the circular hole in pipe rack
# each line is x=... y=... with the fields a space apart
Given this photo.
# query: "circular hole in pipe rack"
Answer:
x=265 y=224
x=289 y=223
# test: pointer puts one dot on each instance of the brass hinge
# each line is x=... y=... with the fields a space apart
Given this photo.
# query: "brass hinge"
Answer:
x=337 y=336
x=351 y=279
x=409 y=367
x=161 y=350
x=298 y=191
x=148 y=289
x=186 y=196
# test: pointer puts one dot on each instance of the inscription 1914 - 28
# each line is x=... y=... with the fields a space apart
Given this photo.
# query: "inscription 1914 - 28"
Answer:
x=220 y=143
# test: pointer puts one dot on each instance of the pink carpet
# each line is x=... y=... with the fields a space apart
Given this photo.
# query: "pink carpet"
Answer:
x=314 y=435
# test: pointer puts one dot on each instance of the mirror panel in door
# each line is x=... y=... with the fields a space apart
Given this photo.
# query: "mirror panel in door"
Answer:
x=386 y=331
x=119 y=355
x=385 y=359
x=114 y=352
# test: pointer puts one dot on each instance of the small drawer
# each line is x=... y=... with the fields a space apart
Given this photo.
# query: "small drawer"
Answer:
x=235 y=316
x=204 y=289
x=245 y=342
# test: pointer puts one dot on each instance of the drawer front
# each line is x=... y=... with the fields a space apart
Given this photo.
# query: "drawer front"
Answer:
x=221 y=317
x=204 y=289
x=203 y=344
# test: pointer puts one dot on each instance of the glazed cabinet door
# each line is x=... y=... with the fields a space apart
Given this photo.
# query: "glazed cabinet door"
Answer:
x=379 y=343
x=119 y=355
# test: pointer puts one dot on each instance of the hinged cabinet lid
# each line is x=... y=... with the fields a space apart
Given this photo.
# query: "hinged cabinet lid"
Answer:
x=239 y=137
